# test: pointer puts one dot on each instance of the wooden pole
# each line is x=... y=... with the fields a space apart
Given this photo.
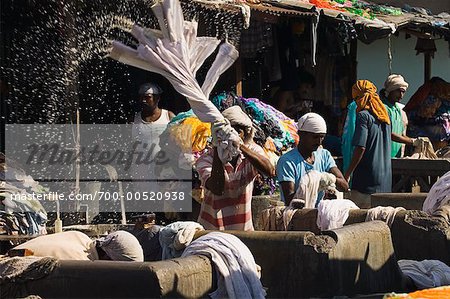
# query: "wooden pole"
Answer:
x=427 y=66
x=239 y=77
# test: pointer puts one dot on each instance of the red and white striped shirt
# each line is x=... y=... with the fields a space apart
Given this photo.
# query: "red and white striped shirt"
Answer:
x=232 y=210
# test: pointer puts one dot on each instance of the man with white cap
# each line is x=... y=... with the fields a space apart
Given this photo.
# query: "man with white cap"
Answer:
x=391 y=95
x=149 y=96
x=309 y=155
x=228 y=177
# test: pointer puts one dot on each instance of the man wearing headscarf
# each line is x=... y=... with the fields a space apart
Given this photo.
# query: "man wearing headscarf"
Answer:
x=228 y=183
x=309 y=155
x=391 y=95
x=371 y=160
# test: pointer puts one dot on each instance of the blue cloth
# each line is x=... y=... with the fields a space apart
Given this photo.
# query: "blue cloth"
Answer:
x=292 y=166
x=347 y=135
x=374 y=172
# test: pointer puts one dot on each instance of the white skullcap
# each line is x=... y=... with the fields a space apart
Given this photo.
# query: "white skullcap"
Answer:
x=394 y=82
x=121 y=246
x=313 y=123
x=237 y=117
x=150 y=88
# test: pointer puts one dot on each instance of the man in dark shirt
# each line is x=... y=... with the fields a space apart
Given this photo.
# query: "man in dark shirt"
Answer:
x=371 y=160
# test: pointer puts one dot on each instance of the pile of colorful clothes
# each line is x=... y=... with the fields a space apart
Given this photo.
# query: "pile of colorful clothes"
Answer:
x=357 y=7
x=274 y=132
x=429 y=111
x=20 y=213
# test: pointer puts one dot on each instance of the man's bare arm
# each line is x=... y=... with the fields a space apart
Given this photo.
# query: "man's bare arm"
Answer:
x=260 y=162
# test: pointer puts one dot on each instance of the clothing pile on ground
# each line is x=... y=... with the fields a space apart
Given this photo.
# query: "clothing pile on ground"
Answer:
x=429 y=111
x=236 y=268
x=20 y=214
x=274 y=131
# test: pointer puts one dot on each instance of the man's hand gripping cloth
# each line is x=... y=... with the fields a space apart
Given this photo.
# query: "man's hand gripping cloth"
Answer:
x=225 y=138
x=177 y=53
x=438 y=196
x=311 y=184
x=238 y=277
x=333 y=213
x=365 y=95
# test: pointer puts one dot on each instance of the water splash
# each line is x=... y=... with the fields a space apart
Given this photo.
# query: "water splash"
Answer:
x=53 y=56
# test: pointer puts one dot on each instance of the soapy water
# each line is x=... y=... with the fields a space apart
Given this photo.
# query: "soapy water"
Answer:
x=53 y=56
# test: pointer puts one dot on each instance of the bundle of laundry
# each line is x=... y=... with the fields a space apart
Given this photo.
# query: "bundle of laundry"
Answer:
x=267 y=121
x=332 y=214
x=176 y=236
x=312 y=188
x=22 y=223
x=386 y=214
x=423 y=149
x=427 y=273
x=236 y=268
x=22 y=213
x=439 y=196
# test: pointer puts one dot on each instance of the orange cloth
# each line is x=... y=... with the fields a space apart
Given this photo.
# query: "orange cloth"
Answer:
x=434 y=293
x=365 y=95
x=325 y=4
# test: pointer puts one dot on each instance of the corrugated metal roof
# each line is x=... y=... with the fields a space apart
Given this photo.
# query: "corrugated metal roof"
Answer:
x=271 y=9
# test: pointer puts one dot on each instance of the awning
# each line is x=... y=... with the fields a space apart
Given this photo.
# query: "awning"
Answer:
x=369 y=29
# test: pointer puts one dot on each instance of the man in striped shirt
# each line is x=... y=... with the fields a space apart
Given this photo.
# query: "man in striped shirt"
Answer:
x=229 y=186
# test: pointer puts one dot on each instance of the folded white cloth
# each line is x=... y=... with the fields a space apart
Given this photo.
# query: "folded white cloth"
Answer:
x=333 y=213
x=427 y=273
x=308 y=188
x=238 y=277
x=386 y=214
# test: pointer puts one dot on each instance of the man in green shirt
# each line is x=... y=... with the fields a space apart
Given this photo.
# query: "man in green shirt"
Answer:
x=391 y=95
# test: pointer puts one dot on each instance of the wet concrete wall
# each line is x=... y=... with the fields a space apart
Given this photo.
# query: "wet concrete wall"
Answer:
x=357 y=259
x=414 y=234
x=409 y=201
x=189 y=277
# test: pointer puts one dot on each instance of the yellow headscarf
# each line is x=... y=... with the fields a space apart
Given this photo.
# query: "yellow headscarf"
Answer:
x=365 y=95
